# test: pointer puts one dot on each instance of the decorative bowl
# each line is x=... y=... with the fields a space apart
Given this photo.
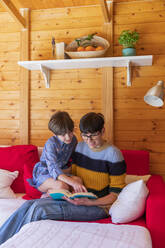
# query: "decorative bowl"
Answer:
x=71 y=49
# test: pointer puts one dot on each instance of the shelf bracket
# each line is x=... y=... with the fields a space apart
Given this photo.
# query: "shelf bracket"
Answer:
x=46 y=74
x=129 y=73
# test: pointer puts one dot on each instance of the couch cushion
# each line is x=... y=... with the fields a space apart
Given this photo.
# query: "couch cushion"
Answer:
x=6 y=179
x=137 y=162
x=134 y=178
x=31 y=192
x=130 y=204
x=13 y=158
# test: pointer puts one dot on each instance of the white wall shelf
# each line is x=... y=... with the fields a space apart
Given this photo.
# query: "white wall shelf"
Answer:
x=46 y=65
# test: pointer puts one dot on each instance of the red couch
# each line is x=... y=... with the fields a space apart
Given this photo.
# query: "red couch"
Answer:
x=23 y=158
x=154 y=218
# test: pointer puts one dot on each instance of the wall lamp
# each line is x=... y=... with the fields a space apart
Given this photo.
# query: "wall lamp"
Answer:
x=155 y=95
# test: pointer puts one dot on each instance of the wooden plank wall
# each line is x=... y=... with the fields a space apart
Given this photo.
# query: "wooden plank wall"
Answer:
x=9 y=80
x=75 y=91
x=136 y=125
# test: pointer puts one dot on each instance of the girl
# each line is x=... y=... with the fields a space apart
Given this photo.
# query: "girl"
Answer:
x=53 y=171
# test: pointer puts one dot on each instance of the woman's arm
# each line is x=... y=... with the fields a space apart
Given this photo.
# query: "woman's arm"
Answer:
x=102 y=201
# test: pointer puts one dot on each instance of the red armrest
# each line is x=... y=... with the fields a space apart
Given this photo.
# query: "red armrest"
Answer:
x=155 y=211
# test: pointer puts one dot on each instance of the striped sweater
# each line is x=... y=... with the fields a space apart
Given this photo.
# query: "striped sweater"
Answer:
x=102 y=170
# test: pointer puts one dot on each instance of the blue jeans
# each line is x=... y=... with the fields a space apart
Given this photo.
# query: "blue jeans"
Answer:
x=47 y=208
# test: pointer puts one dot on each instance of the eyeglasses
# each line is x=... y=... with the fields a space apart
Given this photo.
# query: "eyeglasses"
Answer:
x=91 y=136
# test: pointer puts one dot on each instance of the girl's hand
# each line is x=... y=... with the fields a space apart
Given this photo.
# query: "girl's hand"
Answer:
x=80 y=201
x=78 y=187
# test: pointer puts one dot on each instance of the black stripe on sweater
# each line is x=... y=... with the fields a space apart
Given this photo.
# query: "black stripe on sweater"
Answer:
x=104 y=166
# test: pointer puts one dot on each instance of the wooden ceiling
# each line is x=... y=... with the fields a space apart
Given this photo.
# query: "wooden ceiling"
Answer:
x=46 y=4
x=14 y=7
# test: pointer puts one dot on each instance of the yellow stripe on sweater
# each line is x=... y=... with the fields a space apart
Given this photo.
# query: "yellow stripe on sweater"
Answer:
x=97 y=180
x=92 y=179
x=117 y=181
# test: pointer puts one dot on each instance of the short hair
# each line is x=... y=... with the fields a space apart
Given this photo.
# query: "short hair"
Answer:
x=61 y=123
x=91 y=122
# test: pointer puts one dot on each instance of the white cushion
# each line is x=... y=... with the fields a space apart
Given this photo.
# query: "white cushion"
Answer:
x=133 y=178
x=130 y=203
x=6 y=179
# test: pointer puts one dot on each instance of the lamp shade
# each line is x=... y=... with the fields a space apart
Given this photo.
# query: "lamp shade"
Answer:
x=155 y=95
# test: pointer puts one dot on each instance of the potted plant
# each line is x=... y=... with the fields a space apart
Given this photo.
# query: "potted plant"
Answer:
x=128 y=39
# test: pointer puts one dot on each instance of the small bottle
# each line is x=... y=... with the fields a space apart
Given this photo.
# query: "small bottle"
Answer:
x=53 y=47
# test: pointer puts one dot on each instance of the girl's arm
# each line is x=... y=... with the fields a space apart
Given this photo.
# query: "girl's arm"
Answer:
x=68 y=170
x=54 y=165
x=77 y=186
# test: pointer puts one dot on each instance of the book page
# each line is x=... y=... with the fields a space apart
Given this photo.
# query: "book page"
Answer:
x=59 y=194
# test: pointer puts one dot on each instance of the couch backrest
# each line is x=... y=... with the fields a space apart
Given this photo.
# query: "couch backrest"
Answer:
x=24 y=157
x=137 y=162
x=14 y=158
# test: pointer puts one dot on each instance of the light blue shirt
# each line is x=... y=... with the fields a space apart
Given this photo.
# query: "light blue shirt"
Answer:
x=53 y=160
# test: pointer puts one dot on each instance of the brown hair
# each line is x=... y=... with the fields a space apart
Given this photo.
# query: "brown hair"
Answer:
x=61 y=123
x=91 y=122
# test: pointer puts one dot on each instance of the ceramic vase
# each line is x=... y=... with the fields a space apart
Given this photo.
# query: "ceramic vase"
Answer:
x=129 y=51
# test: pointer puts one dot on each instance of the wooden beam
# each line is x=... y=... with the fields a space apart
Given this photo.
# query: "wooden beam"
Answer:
x=105 y=10
x=8 y=5
x=107 y=82
x=108 y=29
x=107 y=102
x=25 y=82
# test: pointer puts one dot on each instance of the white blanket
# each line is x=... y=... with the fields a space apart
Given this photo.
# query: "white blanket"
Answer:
x=8 y=206
x=59 y=234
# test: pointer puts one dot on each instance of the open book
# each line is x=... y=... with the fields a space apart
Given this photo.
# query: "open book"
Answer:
x=59 y=194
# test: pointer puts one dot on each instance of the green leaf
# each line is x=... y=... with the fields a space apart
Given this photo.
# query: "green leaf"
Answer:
x=128 y=38
x=81 y=40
